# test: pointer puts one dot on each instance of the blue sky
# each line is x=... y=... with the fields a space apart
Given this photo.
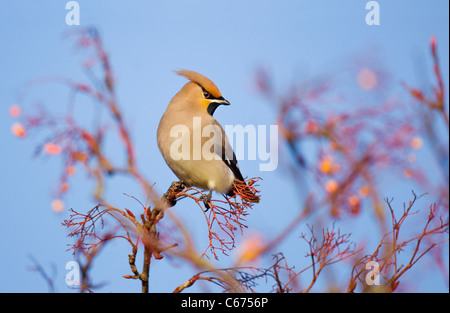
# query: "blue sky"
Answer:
x=146 y=41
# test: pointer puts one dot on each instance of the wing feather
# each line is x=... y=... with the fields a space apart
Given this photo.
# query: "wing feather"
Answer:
x=227 y=154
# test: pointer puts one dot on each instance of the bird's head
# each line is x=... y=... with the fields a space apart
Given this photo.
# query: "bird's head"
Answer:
x=202 y=91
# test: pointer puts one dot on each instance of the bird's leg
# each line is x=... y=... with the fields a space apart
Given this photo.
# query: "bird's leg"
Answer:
x=174 y=189
x=206 y=199
x=178 y=186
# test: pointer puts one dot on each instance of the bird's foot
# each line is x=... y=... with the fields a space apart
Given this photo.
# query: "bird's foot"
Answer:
x=206 y=199
x=178 y=186
x=174 y=189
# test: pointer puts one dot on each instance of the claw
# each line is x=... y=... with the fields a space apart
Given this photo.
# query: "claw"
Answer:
x=175 y=187
x=178 y=186
x=206 y=199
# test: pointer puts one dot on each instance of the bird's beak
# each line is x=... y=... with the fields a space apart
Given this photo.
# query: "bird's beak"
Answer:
x=221 y=101
x=215 y=103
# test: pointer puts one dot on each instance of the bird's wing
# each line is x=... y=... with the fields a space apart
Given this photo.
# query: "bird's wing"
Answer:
x=232 y=165
x=227 y=154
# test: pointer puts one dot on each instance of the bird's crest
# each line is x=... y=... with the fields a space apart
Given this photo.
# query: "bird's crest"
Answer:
x=202 y=81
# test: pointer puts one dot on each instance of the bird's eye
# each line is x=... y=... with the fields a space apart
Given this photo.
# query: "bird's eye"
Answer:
x=206 y=94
